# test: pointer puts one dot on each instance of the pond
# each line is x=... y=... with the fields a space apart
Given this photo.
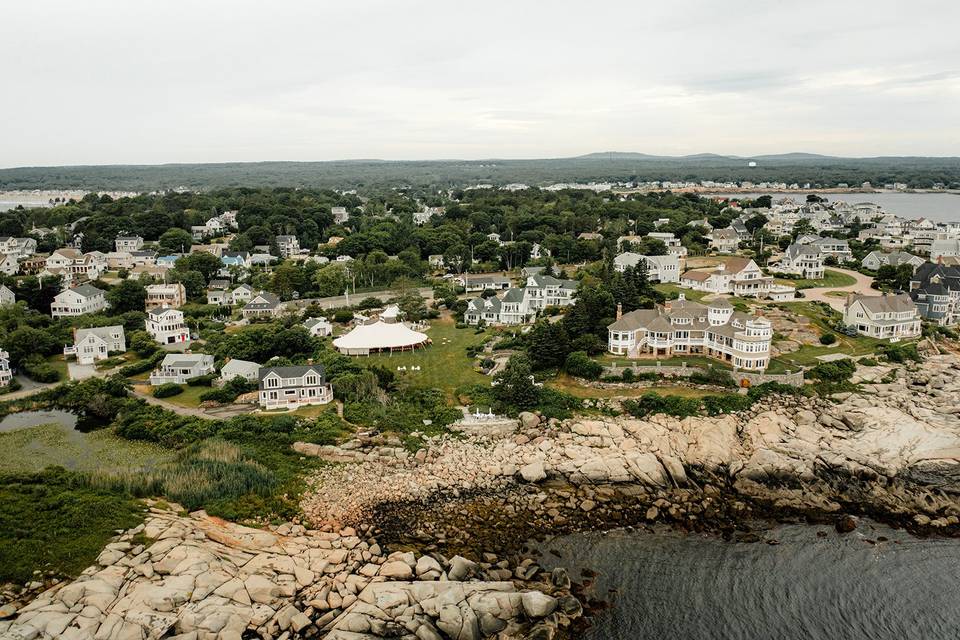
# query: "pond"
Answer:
x=33 y=440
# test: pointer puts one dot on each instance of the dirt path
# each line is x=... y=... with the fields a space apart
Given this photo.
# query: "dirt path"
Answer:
x=862 y=285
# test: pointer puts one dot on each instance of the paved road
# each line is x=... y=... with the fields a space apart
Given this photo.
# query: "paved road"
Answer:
x=862 y=285
x=341 y=301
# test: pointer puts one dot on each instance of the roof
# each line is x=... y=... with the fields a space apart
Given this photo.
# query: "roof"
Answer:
x=86 y=291
x=720 y=303
x=162 y=311
x=101 y=332
x=380 y=335
x=236 y=367
x=186 y=359
x=696 y=275
x=269 y=301
x=885 y=304
x=310 y=323
x=295 y=371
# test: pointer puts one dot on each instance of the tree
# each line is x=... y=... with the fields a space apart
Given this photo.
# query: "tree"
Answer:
x=652 y=247
x=756 y=222
x=129 y=295
x=206 y=264
x=547 y=345
x=515 y=385
x=580 y=365
x=594 y=309
x=26 y=341
x=331 y=280
x=175 y=240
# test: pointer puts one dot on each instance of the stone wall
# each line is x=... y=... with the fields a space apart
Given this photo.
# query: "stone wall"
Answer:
x=794 y=378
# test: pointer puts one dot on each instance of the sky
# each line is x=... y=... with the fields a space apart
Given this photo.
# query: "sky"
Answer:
x=159 y=81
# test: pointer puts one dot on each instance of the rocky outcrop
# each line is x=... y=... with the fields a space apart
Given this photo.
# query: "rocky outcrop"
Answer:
x=893 y=446
x=200 y=578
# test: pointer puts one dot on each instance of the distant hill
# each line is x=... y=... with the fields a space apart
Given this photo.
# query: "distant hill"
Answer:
x=616 y=166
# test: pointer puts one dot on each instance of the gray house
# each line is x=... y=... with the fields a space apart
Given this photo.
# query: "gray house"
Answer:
x=180 y=367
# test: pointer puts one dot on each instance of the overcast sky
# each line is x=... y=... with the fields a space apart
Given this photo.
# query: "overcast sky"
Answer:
x=144 y=81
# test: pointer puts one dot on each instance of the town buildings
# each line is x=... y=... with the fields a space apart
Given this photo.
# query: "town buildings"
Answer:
x=166 y=295
x=288 y=246
x=681 y=327
x=659 y=268
x=318 y=327
x=180 y=367
x=262 y=305
x=935 y=289
x=803 y=260
x=91 y=345
x=876 y=259
x=167 y=326
x=77 y=301
x=293 y=387
x=889 y=317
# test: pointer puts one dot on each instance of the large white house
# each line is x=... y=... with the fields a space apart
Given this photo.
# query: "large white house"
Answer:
x=724 y=240
x=542 y=291
x=128 y=243
x=167 y=326
x=659 y=268
x=262 y=305
x=292 y=387
x=944 y=248
x=737 y=276
x=681 y=327
x=180 y=367
x=803 y=260
x=288 y=246
x=97 y=343
x=78 y=301
x=6 y=373
x=512 y=308
x=889 y=316
x=876 y=259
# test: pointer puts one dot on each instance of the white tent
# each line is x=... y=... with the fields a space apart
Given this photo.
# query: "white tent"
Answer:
x=379 y=336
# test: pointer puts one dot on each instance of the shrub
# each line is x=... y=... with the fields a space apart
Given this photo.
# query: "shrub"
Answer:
x=580 y=365
x=343 y=316
x=202 y=381
x=835 y=371
x=167 y=390
x=899 y=353
x=713 y=376
x=39 y=370
x=147 y=364
x=828 y=339
x=867 y=362
x=652 y=403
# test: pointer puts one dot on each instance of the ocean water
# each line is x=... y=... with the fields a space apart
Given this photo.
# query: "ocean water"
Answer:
x=940 y=207
x=675 y=585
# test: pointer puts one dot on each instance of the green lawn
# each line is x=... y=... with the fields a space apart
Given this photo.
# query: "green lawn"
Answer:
x=830 y=279
x=692 y=361
x=58 y=363
x=444 y=364
x=674 y=291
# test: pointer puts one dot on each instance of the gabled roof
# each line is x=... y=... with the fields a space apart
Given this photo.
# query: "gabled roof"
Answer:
x=292 y=371
x=884 y=304
x=269 y=301
x=85 y=291
x=104 y=333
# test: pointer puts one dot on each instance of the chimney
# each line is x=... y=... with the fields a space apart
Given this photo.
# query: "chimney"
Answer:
x=619 y=311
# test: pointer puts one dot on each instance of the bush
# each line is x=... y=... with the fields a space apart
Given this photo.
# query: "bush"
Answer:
x=202 y=381
x=167 y=390
x=899 y=353
x=580 y=365
x=828 y=339
x=343 y=316
x=867 y=362
x=147 y=364
x=652 y=403
x=835 y=371
x=713 y=376
x=39 y=370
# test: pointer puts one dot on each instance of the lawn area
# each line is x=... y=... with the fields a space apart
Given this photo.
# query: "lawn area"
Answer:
x=444 y=364
x=674 y=291
x=190 y=397
x=58 y=363
x=830 y=278
x=570 y=385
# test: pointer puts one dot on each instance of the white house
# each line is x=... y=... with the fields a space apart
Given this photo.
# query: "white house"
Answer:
x=889 y=316
x=8 y=264
x=180 y=367
x=6 y=373
x=166 y=295
x=737 y=276
x=97 y=343
x=512 y=308
x=944 y=248
x=234 y=368
x=724 y=240
x=681 y=328
x=78 y=301
x=242 y=294
x=318 y=327
x=543 y=291
x=292 y=387
x=18 y=248
x=673 y=243
x=481 y=283
x=7 y=296
x=803 y=260
x=288 y=246
x=340 y=214
x=262 y=305
x=167 y=326
x=659 y=268
x=128 y=244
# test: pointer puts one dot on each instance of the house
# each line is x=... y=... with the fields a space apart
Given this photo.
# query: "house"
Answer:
x=242 y=294
x=724 y=240
x=238 y=259
x=234 y=368
x=33 y=264
x=91 y=345
x=78 y=301
x=659 y=268
x=737 y=276
x=168 y=261
x=889 y=317
x=531 y=271
x=166 y=295
x=180 y=367
x=543 y=291
x=802 y=260
x=288 y=246
x=263 y=259
x=128 y=244
x=944 y=248
x=701 y=224
x=318 y=327
x=293 y=387
x=7 y=296
x=588 y=235
x=436 y=261
x=8 y=264
x=18 y=248
x=512 y=308
x=212 y=249
x=120 y=260
x=681 y=328
x=6 y=373
x=218 y=292
x=340 y=215
x=740 y=227
x=147 y=270
x=935 y=289
x=144 y=257
x=673 y=243
x=829 y=247
x=876 y=259
x=74 y=266
x=262 y=305
x=537 y=252
x=480 y=283
x=167 y=326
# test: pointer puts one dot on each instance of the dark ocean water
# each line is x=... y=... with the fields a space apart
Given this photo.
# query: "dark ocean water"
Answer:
x=687 y=586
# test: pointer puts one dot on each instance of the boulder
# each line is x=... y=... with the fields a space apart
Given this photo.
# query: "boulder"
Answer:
x=533 y=472
x=537 y=604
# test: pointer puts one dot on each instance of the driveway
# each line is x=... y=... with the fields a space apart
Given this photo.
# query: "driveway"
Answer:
x=81 y=371
x=818 y=294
